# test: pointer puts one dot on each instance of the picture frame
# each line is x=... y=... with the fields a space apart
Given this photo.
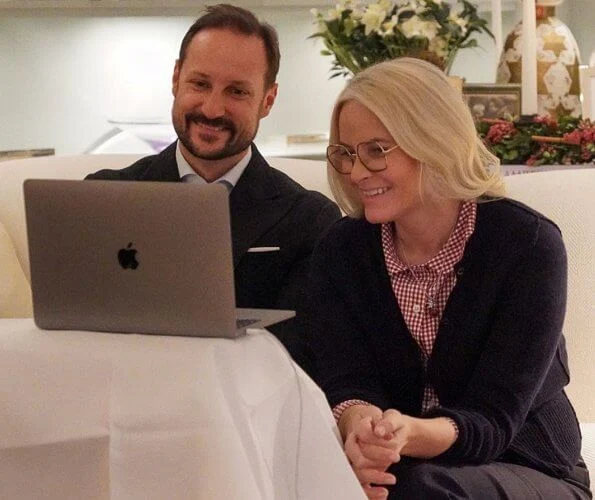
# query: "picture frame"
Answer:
x=493 y=101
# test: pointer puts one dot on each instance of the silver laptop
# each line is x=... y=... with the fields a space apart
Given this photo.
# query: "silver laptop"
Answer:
x=135 y=257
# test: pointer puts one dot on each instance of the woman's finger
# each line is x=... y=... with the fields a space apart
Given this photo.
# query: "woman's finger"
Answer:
x=391 y=422
x=375 y=492
x=375 y=476
x=365 y=429
x=358 y=460
x=352 y=449
x=380 y=454
x=371 y=437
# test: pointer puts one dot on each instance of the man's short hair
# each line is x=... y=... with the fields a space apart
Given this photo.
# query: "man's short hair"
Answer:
x=236 y=19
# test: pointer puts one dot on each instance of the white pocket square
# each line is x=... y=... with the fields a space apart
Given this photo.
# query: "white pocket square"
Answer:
x=264 y=249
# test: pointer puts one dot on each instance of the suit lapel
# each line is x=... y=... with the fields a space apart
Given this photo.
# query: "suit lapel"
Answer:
x=257 y=202
x=163 y=166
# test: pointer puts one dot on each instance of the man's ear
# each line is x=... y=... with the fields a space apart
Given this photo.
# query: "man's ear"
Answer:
x=175 y=78
x=269 y=99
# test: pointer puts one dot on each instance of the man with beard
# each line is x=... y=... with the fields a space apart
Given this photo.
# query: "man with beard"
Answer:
x=223 y=84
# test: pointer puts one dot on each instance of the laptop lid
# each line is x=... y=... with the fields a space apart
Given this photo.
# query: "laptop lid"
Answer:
x=134 y=257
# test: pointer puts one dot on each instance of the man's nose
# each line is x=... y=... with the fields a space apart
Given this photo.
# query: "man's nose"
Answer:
x=213 y=105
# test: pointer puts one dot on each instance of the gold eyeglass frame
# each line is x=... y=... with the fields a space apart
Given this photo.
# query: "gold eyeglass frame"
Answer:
x=356 y=154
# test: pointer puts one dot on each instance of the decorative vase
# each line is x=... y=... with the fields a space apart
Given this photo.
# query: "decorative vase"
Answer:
x=444 y=63
x=558 y=60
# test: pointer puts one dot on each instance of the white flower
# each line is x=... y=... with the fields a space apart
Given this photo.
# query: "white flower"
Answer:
x=385 y=4
x=414 y=26
x=333 y=14
x=357 y=14
x=462 y=22
x=439 y=47
x=389 y=26
x=418 y=6
x=373 y=18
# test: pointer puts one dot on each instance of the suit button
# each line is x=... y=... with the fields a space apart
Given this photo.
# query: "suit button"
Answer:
x=460 y=271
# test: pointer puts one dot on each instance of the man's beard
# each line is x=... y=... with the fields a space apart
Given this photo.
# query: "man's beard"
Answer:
x=233 y=146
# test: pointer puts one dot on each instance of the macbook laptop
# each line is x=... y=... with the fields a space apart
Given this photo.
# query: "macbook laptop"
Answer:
x=135 y=257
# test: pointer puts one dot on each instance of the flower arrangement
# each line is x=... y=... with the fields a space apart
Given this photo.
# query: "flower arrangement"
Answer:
x=359 y=35
x=540 y=140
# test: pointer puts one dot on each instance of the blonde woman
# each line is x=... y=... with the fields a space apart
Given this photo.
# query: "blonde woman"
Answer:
x=436 y=307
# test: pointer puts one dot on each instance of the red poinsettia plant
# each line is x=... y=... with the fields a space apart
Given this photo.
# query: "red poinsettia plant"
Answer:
x=540 y=140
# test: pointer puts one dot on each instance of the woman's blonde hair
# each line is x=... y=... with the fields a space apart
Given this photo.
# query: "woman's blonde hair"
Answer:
x=429 y=120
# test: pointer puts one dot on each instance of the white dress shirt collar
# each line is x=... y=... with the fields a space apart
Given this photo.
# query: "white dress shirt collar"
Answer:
x=230 y=178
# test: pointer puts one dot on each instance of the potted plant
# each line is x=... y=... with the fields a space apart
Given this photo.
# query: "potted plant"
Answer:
x=358 y=35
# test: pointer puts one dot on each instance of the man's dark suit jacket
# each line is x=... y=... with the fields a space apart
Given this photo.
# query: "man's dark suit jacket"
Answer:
x=268 y=209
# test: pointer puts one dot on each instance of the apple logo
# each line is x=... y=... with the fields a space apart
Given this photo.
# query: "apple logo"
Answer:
x=127 y=257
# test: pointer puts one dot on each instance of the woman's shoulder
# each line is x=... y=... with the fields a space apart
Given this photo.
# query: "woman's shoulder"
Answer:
x=512 y=220
x=513 y=210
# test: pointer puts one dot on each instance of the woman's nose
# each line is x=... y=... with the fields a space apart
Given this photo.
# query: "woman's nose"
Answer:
x=359 y=172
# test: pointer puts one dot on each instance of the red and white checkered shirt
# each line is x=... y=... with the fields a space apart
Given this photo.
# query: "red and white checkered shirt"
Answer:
x=422 y=290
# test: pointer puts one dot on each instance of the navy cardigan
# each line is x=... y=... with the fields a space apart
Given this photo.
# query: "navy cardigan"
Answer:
x=499 y=362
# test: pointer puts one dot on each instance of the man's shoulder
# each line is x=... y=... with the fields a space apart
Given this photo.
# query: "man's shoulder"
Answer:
x=132 y=172
x=161 y=166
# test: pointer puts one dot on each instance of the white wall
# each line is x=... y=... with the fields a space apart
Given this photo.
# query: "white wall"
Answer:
x=62 y=78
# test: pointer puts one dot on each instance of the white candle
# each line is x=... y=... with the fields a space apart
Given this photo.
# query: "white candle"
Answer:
x=529 y=75
x=497 y=25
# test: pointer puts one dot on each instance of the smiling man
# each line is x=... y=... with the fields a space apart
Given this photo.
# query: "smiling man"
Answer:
x=224 y=82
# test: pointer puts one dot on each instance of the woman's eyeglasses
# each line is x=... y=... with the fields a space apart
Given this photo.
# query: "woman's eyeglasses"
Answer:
x=372 y=155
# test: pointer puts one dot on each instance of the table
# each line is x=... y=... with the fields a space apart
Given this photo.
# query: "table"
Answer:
x=111 y=416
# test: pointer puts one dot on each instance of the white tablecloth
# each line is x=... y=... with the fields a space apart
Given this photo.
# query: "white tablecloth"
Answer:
x=87 y=415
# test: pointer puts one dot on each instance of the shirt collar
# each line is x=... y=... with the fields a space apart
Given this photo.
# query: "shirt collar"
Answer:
x=449 y=255
x=231 y=177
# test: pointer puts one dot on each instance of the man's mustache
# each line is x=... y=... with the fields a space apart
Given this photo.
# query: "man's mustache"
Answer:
x=211 y=122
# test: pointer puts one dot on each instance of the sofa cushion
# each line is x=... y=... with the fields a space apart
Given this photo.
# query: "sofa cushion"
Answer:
x=15 y=293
